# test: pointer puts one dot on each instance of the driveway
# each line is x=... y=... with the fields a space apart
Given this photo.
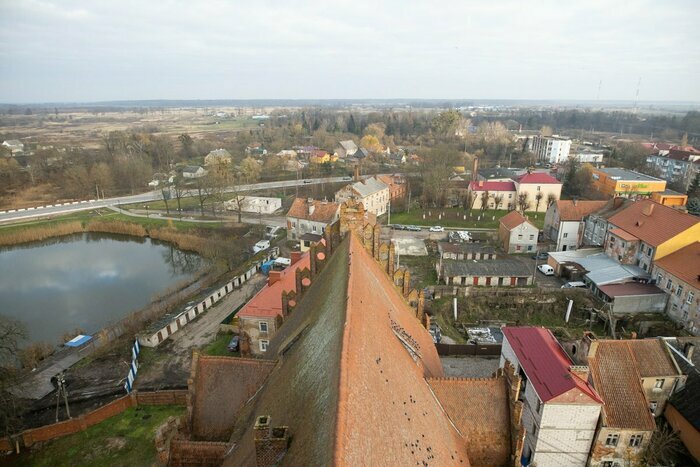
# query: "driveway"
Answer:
x=546 y=282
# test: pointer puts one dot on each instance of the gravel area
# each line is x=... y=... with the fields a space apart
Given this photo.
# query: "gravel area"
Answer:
x=469 y=367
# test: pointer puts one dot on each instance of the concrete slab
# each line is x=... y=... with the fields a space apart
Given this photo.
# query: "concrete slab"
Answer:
x=410 y=246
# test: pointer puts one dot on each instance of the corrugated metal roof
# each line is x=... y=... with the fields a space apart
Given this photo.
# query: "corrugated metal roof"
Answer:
x=368 y=187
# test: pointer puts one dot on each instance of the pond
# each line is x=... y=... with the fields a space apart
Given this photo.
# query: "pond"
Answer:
x=86 y=281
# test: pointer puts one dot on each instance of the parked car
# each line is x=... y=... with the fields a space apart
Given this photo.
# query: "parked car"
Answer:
x=307 y=181
x=540 y=255
x=347 y=178
x=261 y=245
x=397 y=227
x=412 y=228
x=233 y=345
x=271 y=231
x=546 y=269
x=573 y=284
x=437 y=228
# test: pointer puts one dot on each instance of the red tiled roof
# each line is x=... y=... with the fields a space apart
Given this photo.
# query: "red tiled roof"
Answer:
x=630 y=288
x=684 y=264
x=546 y=365
x=575 y=210
x=492 y=186
x=324 y=211
x=267 y=303
x=623 y=235
x=651 y=222
x=617 y=380
x=513 y=219
x=479 y=408
x=536 y=177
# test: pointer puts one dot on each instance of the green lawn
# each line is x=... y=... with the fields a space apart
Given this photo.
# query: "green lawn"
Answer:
x=219 y=346
x=422 y=270
x=123 y=440
x=454 y=217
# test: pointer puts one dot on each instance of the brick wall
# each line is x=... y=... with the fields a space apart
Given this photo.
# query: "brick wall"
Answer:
x=175 y=397
x=200 y=453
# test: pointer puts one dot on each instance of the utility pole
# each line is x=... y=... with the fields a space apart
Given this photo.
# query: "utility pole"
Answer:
x=61 y=382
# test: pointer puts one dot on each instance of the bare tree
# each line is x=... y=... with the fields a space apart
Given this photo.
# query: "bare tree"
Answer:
x=538 y=200
x=523 y=202
x=551 y=198
x=485 y=195
x=498 y=200
x=178 y=189
x=12 y=333
x=663 y=448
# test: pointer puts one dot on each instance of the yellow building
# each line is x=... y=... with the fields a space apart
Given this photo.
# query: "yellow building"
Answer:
x=616 y=181
x=670 y=198
x=321 y=157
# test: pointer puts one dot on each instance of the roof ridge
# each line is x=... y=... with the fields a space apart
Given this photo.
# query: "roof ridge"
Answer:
x=237 y=359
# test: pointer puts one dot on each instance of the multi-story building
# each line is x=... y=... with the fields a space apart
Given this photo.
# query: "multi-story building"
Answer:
x=503 y=190
x=371 y=192
x=676 y=165
x=538 y=188
x=595 y=224
x=616 y=181
x=310 y=216
x=679 y=275
x=517 y=234
x=646 y=231
x=550 y=149
x=634 y=378
x=564 y=219
x=560 y=408
x=398 y=188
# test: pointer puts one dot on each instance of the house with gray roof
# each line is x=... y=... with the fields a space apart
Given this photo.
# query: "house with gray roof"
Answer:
x=346 y=148
x=488 y=272
x=371 y=192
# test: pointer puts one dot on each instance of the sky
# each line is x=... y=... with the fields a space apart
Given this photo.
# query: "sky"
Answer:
x=101 y=50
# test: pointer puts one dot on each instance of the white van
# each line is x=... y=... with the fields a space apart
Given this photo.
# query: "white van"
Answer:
x=546 y=269
x=261 y=245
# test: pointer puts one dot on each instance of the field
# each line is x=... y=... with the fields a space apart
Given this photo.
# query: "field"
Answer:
x=123 y=440
x=454 y=217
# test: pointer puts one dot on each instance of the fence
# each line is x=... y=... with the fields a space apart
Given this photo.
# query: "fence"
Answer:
x=468 y=349
x=57 y=430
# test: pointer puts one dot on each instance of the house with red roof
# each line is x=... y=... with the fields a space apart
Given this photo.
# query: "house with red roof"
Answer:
x=497 y=189
x=517 y=234
x=262 y=316
x=538 y=187
x=560 y=408
x=563 y=221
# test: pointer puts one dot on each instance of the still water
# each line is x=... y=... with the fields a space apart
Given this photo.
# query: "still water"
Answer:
x=86 y=280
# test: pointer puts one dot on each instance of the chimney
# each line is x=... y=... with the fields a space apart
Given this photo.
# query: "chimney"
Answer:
x=273 y=277
x=581 y=371
x=475 y=169
x=688 y=350
x=270 y=443
x=295 y=256
x=310 y=205
x=481 y=183
x=356 y=176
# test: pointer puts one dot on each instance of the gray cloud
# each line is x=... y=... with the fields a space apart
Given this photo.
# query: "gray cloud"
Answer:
x=103 y=50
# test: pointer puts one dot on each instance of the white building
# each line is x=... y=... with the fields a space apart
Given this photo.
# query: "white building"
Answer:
x=371 y=192
x=255 y=204
x=193 y=171
x=309 y=216
x=560 y=408
x=563 y=221
x=14 y=145
x=588 y=156
x=218 y=156
x=550 y=149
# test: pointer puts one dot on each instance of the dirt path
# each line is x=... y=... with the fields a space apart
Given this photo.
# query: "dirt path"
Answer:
x=171 y=364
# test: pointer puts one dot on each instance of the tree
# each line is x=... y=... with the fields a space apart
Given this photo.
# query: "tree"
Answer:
x=178 y=189
x=101 y=177
x=77 y=182
x=694 y=188
x=250 y=169
x=485 y=195
x=546 y=131
x=498 y=200
x=445 y=123
x=663 y=448
x=551 y=198
x=538 y=200
x=12 y=333
x=187 y=143
x=523 y=202
x=371 y=143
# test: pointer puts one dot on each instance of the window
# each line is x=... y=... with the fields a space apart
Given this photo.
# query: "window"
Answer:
x=532 y=237
x=529 y=248
x=510 y=195
x=263 y=345
x=538 y=188
x=566 y=235
x=313 y=228
x=679 y=291
x=635 y=440
x=659 y=383
x=539 y=406
x=612 y=439
x=690 y=298
x=262 y=325
x=658 y=278
x=520 y=236
x=652 y=406
x=669 y=283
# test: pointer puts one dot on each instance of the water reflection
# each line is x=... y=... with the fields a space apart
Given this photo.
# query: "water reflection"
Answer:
x=86 y=280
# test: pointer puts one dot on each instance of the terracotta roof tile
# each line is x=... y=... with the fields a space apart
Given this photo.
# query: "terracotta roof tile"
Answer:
x=684 y=264
x=480 y=410
x=617 y=380
x=323 y=211
x=221 y=386
x=492 y=186
x=513 y=219
x=623 y=235
x=536 y=177
x=576 y=210
x=651 y=222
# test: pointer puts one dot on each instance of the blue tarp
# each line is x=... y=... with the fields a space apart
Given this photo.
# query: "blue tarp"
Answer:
x=78 y=340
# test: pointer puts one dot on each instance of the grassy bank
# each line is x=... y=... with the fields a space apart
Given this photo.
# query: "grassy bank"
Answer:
x=454 y=217
x=124 y=440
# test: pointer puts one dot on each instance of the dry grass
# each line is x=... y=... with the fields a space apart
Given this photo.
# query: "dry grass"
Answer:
x=37 y=234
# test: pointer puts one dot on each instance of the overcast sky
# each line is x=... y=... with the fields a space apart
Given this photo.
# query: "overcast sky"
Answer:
x=68 y=50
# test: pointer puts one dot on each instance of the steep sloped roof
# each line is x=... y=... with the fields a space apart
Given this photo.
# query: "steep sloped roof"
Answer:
x=350 y=383
x=684 y=264
x=514 y=219
x=546 y=364
x=536 y=177
x=651 y=222
x=480 y=410
x=617 y=380
x=570 y=210
x=368 y=186
x=323 y=211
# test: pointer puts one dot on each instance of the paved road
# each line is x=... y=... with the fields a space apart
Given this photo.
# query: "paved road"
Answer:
x=52 y=210
x=275 y=221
